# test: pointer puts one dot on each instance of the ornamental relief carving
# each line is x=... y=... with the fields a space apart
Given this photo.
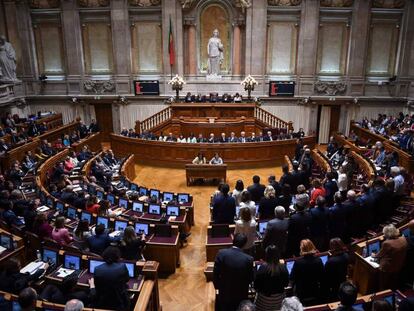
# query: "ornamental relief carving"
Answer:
x=388 y=4
x=241 y=4
x=144 y=3
x=93 y=3
x=330 y=88
x=99 y=87
x=44 y=4
x=337 y=3
x=284 y=2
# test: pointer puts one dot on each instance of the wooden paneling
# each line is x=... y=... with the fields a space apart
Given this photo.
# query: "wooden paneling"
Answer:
x=234 y=155
x=211 y=110
x=103 y=112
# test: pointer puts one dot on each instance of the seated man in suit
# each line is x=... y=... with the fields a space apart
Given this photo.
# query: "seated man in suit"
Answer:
x=201 y=139
x=252 y=138
x=110 y=281
x=243 y=138
x=232 y=138
x=257 y=189
x=211 y=139
x=224 y=207
x=223 y=138
x=233 y=273
x=188 y=98
x=268 y=137
x=100 y=241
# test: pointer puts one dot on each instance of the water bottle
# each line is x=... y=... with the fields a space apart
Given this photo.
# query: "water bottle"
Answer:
x=38 y=255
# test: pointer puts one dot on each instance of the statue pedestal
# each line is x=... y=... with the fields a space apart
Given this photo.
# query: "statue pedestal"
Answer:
x=213 y=77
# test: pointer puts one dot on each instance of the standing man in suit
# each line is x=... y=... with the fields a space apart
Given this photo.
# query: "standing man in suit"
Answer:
x=224 y=207
x=233 y=272
x=110 y=280
x=277 y=231
x=299 y=225
x=257 y=189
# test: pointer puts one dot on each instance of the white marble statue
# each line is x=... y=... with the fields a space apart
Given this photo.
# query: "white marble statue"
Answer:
x=7 y=61
x=215 y=55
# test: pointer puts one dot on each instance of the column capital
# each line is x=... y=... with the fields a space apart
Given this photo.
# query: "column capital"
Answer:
x=190 y=22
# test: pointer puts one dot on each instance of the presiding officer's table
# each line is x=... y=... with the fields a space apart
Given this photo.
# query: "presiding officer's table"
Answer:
x=205 y=171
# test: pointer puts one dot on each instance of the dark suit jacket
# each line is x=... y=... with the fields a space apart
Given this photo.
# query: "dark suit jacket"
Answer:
x=307 y=276
x=299 y=229
x=98 y=243
x=267 y=208
x=330 y=188
x=233 y=272
x=111 y=287
x=336 y=269
x=276 y=234
x=256 y=191
x=224 y=209
x=337 y=221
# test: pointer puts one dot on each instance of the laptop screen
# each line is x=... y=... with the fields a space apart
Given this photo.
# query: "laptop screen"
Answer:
x=373 y=247
x=358 y=307
x=60 y=207
x=93 y=263
x=71 y=213
x=324 y=259
x=143 y=191
x=183 y=197
x=86 y=216
x=111 y=198
x=49 y=202
x=138 y=207
x=120 y=225
x=102 y=220
x=168 y=196
x=262 y=227
x=141 y=228
x=49 y=256
x=6 y=241
x=123 y=203
x=100 y=195
x=173 y=211
x=406 y=232
x=72 y=262
x=131 y=269
x=154 y=209
x=134 y=187
x=289 y=265
x=154 y=193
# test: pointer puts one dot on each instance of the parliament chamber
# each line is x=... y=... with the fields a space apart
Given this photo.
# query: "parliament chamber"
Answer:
x=228 y=155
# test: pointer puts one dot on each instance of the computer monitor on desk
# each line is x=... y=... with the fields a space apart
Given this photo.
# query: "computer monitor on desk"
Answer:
x=141 y=228
x=262 y=227
x=373 y=246
x=138 y=207
x=123 y=203
x=183 y=198
x=50 y=256
x=143 y=191
x=93 y=264
x=102 y=220
x=131 y=268
x=111 y=198
x=173 y=210
x=406 y=232
x=71 y=213
x=324 y=257
x=154 y=193
x=167 y=196
x=154 y=209
x=120 y=225
x=60 y=207
x=71 y=262
x=134 y=187
x=86 y=216
x=100 y=195
x=92 y=190
x=50 y=202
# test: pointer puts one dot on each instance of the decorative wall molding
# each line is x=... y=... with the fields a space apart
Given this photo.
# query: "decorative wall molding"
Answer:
x=99 y=87
x=44 y=4
x=337 y=3
x=330 y=88
x=93 y=3
x=241 y=4
x=388 y=4
x=144 y=3
x=284 y=2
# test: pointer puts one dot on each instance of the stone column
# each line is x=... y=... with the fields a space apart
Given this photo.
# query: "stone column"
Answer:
x=10 y=13
x=256 y=20
x=307 y=47
x=72 y=37
x=192 y=48
x=121 y=46
x=236 y=49
x=405 y=70
x=361 y=17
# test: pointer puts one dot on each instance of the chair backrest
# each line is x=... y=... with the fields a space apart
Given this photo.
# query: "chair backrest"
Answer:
x=163 y=230
x=220 y=231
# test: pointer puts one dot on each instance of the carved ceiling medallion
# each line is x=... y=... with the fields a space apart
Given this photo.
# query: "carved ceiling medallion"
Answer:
x=144 y=3
x=93 y=3
x=337 y=3
x=330 y=88
x=44 y=4
x=388 y=4
x=284 y=2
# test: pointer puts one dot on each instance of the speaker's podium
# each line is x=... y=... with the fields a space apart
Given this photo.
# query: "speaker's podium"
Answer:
x=205 y=171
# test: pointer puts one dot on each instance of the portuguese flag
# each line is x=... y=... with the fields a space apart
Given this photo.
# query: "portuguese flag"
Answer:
x=171 y=50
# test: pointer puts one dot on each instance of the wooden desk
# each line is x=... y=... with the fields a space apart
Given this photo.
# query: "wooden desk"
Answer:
x=205 y=171
x=218 y=110
x=365 y=276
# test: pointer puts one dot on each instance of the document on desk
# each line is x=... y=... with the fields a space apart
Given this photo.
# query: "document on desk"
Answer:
x=42 y=208
x=372 y=262
x=2 y=249
x=63 y=272
x=32 y=267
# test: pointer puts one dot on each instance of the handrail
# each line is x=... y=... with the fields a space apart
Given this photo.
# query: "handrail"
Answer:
x=153 y=121
x=288 y=162
x=320 y=160
x=271 y=120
